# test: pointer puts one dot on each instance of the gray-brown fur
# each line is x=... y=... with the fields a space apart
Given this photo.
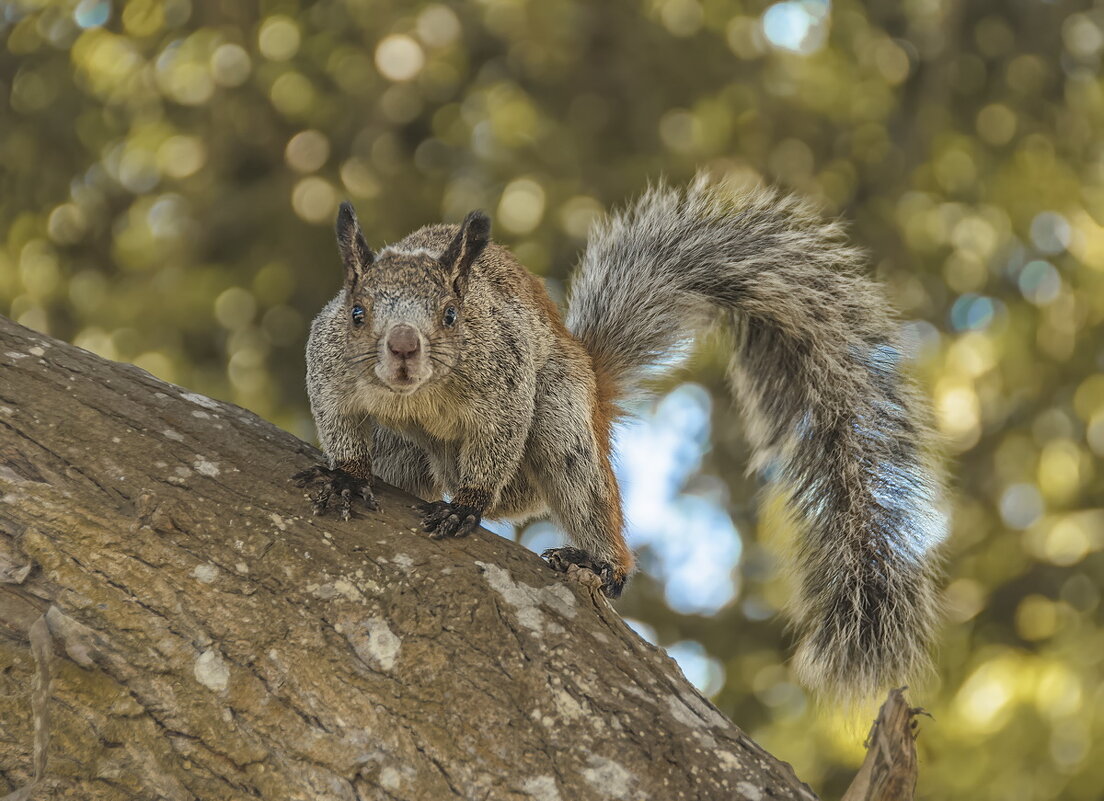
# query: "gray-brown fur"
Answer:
x=508 y=412
x=830 y=418
x=503 y=421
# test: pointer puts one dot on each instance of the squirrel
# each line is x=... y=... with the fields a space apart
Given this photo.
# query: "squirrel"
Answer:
x=444 y=367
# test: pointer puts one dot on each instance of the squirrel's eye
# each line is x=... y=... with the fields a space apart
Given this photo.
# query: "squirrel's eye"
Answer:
x=358 y=315
x=450 y=316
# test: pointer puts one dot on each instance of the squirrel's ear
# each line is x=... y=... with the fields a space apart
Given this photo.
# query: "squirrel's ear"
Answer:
x=465 y=248
x=355 y=252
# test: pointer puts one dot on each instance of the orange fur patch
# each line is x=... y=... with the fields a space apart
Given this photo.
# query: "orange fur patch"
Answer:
x=604 y=397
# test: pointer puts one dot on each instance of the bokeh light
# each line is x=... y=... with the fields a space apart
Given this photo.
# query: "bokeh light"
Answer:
x=171 y=170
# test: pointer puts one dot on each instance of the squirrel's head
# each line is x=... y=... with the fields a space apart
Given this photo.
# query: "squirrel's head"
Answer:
x=404 y=310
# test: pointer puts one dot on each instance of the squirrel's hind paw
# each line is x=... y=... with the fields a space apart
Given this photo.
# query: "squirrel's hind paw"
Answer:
x=443 y=519
x=328 y=483
x=580 y=566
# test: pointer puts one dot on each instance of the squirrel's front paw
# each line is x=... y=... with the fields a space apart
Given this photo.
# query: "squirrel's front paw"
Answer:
x=443 y=519
x=575 y=563
x=329 y=482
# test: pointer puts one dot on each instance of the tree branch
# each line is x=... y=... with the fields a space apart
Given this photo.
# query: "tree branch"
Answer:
x=204 y=637
x=889 y=771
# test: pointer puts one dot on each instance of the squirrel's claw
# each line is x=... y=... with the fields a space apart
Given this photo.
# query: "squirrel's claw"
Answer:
x=331 y=482
x=443 y=519
x=573 y=561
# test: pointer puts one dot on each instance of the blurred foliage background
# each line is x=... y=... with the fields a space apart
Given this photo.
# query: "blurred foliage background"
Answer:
x=171 y=168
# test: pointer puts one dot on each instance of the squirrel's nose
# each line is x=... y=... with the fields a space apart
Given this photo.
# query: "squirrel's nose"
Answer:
x=403 y=341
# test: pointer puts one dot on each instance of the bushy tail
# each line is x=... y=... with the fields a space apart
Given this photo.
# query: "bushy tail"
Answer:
x=829 y=416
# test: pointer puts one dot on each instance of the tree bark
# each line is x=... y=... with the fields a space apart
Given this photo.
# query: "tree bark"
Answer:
x=889 y=771
x=175 y=624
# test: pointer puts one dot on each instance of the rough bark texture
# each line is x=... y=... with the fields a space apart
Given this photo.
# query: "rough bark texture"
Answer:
x=889 y=771
x=174 y=624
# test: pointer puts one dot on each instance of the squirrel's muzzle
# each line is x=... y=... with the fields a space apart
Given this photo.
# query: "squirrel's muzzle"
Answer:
x=404 y=363
x=403 y=341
